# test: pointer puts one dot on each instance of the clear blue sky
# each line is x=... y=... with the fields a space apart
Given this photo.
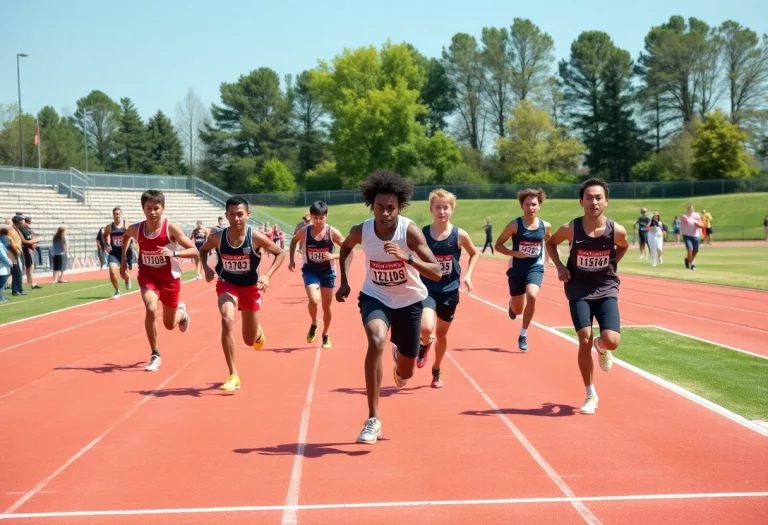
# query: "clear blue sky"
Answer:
x=154 y=50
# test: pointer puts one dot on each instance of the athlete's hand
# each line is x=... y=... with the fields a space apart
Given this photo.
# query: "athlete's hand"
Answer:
x=327 y=256
x=468 y=284
x=395 y=251
x=263 y=283
x=124 y=270
x=165 y=252
x=210 y=275
x=108 y=248
x=519 y=255
x=564 y=274
x=292 y=265
x=343 y=292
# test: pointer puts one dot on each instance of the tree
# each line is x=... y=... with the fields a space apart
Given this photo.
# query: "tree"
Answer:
x=497 y=75
x=276 y=177
x=535 y=145
x=191 y=118
x=98 y=117
x=552 y=98
x=373 y=99
x=61 y=146
x=438 y=94
x=9 y=142
x=165 y=149
x=719 y=149
x=307 y=115
x=531 y=53
x=746 y=64
x=464 y=69
x=132 y=142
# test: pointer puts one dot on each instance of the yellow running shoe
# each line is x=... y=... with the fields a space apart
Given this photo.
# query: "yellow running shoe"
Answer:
x=312 y=334
x=259 y=344
x=326 y=341
x=233 y=383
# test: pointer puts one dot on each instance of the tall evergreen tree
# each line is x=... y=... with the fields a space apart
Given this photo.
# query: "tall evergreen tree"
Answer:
x=132 y=155
x=307 y=118
x=165 y=149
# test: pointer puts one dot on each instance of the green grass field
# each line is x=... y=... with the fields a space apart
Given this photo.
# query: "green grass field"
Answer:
x=738 y=216
x=57 y=296
x=736 y=381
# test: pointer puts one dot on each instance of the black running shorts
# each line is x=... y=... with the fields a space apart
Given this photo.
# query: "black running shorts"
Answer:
x=405 y=322
x=443 y=303
x=605 y=310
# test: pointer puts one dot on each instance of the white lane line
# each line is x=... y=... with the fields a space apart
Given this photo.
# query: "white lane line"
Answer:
x=708 y=341
x=655 y=379
x=383 y=504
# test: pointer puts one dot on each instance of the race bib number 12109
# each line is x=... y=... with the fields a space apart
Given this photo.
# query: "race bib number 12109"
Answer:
x=388 y=273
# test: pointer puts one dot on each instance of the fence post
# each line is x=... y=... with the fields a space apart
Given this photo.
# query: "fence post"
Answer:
x=722 y=186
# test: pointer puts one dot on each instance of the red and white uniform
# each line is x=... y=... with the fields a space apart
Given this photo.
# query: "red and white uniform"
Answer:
x=157 y=272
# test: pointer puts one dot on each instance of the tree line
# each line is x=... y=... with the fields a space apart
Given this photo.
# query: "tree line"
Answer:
x=692 y=105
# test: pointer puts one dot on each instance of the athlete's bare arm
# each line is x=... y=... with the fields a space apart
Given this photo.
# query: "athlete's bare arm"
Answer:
x=211 y=243
x=426 y=264
x=177 y=235
x=337 y=239
x=509 y=231
x=354 y=238
x=547 y=235
x=565 y=233
x=129 y=234
x=107 y=236
x=297 y=238
x=465 y=242
x=620 y=239
x=262 y=241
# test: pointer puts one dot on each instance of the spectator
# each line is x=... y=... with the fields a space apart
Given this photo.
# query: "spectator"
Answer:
x=657 y=231
x=488 y=234
x=706 y=219
x=28 y=241
x=689 y=226
x=38 y=252
x=5 y=261
x=765 y=227
x=642 y=231
x=100 y=248
x=15 y=253
x=676 y=229
x=59 y=249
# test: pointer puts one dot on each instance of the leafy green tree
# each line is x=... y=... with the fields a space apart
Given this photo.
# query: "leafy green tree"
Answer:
x=165 y=149
x=9 y=142
x=61 y=145
x=497 y=75
x=323 y=177
x=307 y=118
x=719 y=149
x=464 y=68
x=532 y=54
x=746 y=64
x=438 y=94
x=132 y=142
x=98 y=116
x=276 y=177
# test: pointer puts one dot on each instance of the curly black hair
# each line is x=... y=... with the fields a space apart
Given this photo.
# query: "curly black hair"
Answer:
x=386 y=181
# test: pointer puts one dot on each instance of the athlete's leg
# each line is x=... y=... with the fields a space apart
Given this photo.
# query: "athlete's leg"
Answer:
x=441 y=342
x=376 y=332
x=531 y=291
x=326 y=296
x=406 y=328
x=427 y=328
x=517 y=303
x=581 y=316
x=313 y=294
x=172 y=317
x=516 y=294
x=150 y=299
x=607 y=317
x=114 y=270
x=227 y=308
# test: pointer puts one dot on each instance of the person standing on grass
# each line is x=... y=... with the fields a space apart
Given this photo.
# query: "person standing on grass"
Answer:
x=396 y=254
x=525 y=271
x=159 y=276
x=676 y=229
x=319 y=270
x=642 y=232
x=591 y=283
x=15 y=250
x=657 y=230
x=28 y=242
x=239 y=286
x=706 y=219
x=5 y=262
x=59 y=249
x=765 y=227
x=488 y=235
x=690 y=223
x=446 y=241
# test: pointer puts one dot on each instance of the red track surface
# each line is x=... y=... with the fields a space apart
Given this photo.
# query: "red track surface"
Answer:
x=85 y=429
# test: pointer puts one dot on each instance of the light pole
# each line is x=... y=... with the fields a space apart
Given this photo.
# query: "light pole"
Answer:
x=85 y=136
x=21 y=128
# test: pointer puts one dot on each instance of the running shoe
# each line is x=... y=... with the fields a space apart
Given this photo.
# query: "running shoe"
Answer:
x=262 y=339
x=116 y=295
x=423 y=352
x=184 y=323
x=604 y=357
x=589 y=406
x=371 y=431
x=399 y=381
x=233 y=383
x=687 y=264
x=154 y=363
x=437 y=377
x=512 y=315
x=522 y=343
x=326 y=341
x=312 y=334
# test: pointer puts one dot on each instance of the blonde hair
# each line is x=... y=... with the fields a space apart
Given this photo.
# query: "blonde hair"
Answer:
x=443 y=194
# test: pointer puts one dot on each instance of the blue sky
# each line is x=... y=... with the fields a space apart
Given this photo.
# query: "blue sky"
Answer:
x=153 y=51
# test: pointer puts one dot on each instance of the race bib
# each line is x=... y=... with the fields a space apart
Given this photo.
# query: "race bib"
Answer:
x=531 y=249
x=592 y=260
x=315 y=255
x=236 y=263
x=117 y=241
x=446 y=263
x=153 y=259
x=388 y=273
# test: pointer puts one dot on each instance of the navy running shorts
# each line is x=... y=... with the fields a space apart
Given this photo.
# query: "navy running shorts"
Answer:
x=405 y=322
x=443 y=303
x=518 y=283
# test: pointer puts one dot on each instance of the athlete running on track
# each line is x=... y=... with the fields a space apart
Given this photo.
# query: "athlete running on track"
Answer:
x=319 y=270
x=239 y=286
x=199 y=235
x=113 y=238
x=159 y=271
x=591 y=284
x=446 y=241
x=392 y=293
x=525 y=272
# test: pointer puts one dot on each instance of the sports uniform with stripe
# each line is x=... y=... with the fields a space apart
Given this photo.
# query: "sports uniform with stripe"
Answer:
x=158 y=272
x=316 y=269
x=522 y=272
x=443 y=295
x=199 y=238
x=237 y=269
x=116 y=245
x=393 y=290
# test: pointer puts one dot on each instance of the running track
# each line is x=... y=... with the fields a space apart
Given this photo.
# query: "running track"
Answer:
x=86 y=431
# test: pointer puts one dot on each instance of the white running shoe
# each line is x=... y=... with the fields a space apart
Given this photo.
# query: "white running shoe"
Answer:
x=371 y=431
x=154 y=363
x=184 y=323
x=116 y=296
x=128 y=284
x=604 y=358
x=589 y=406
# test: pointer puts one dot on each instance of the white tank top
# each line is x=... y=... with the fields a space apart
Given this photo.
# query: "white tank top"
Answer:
x=393 y=282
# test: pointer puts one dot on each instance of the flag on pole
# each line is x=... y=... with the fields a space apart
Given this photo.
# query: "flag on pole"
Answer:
x=37 y=134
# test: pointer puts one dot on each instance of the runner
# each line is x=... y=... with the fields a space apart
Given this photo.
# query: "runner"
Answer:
x=319 y=270
x=591 y=284
x=392 y=293
x=159 y=271
x=239 y=286
x=689 y=226
x=446 y=241
x=114 y=235
x=525 y=271
x=199 y=235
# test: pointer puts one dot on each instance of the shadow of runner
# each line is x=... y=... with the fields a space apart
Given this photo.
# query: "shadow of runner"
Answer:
x=546 y=410
x=311 y=450
x=107 y=368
